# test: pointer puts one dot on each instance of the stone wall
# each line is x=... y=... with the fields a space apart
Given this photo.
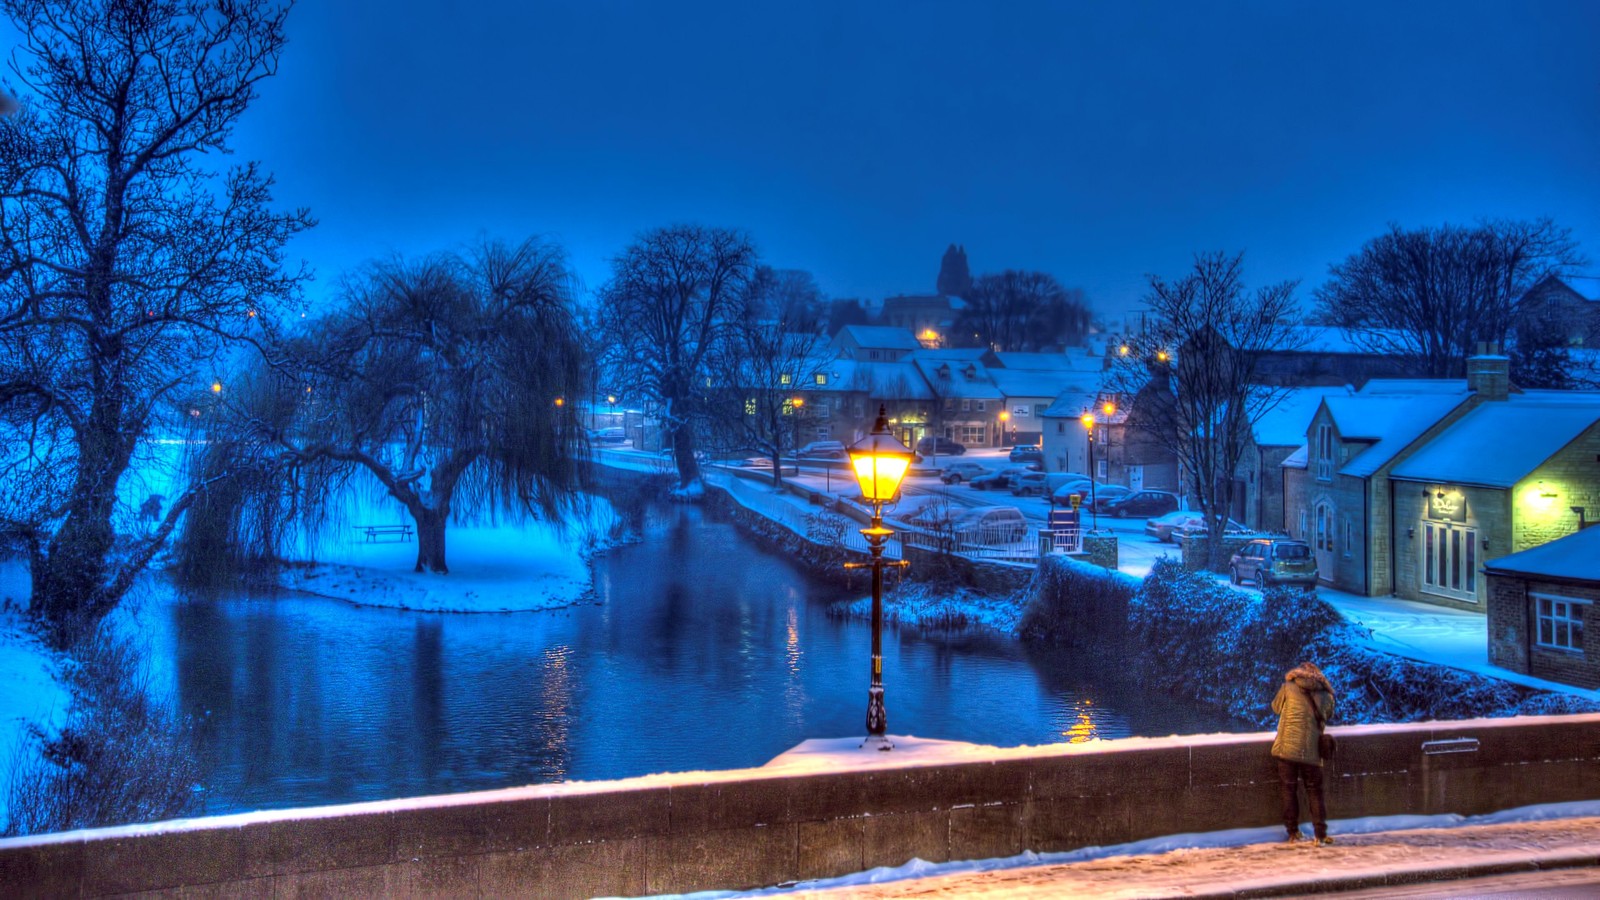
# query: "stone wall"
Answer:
x=754 y=827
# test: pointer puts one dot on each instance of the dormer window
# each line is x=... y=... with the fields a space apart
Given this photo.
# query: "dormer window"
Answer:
x=970 y=371
x=943 y=371
x=1324 y=452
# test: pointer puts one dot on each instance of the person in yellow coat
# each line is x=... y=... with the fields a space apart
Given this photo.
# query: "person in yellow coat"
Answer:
x=1304 y=705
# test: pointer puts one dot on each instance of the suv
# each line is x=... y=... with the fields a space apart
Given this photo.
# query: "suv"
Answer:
x=822 y=450
x=995 y=481
x=1272 y=561
x=955 y=473
x=1026 y=453
x=939 y=446
x=1143 y=503
x=1029 y=483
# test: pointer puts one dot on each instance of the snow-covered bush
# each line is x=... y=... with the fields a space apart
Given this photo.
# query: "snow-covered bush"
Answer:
x=1072 y=603
x=122 y=757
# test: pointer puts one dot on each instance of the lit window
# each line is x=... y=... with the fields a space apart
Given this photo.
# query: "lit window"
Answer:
x=785 y=378
x=750 y=406
x=1560 y=622
x=822 y=378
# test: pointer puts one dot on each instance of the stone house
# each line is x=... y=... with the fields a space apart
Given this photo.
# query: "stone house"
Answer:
x=1517 y=471
x=1258 y=488
x=874 y=343
x=1542 y=610
x=1336 y=487
x=1555 y=304
x=967 y=403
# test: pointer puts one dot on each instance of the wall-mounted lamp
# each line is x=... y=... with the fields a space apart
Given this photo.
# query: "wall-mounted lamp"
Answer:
x=1582 y=521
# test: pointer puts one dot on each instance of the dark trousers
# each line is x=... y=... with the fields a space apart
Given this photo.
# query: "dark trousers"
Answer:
x=1290 y=774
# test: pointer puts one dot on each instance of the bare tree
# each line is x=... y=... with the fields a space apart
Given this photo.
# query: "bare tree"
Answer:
x=124 y=260
x=1008 y=311
x=1193 y=375
x=450 y=380
x=1431 y=294
x=673 y=295
x=763 y=365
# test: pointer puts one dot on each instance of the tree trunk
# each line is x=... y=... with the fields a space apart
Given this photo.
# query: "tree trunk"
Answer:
x=430 y=539
x=70 y=593
x=683 y=452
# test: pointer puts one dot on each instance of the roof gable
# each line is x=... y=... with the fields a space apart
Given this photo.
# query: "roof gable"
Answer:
x=1523 y=434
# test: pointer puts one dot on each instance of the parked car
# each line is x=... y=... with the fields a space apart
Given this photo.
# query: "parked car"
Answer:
x=1025 y=453
x=1273 y=561
x=611 y=435
x=1062 y=495
x=998 y=481
x=1200 y=529
x=822 y=450
x=1161 y=527
x=991 y=525
x=1104 y=495
x=939 y=446
x=1030 y=484
x=955 y=473
x=1143 y=503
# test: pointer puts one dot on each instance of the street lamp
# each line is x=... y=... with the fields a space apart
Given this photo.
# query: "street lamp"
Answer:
x=1004 y=417
x=880 y=461
x=1088 y=431
x=795 y=406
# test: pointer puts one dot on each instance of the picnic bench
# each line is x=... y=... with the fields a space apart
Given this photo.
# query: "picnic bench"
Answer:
x=381 y=534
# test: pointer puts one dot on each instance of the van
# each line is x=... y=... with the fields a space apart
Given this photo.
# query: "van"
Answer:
x=822 y=450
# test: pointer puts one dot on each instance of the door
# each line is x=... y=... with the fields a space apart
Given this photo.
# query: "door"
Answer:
x=1322 y=540
x=1136 y=478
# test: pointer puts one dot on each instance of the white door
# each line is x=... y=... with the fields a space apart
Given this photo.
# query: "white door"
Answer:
x=1136 y=478
x=1322 y=540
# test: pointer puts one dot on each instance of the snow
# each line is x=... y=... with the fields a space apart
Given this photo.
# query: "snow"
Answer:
x=1523 y=435
x=1576 y=556
x=27 y=670
x=1285 y=424
x=1392 y=421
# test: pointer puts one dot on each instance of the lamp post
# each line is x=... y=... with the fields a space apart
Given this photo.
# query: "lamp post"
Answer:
x=1110 y=409
x=880 y=461
x=795 y=405
x=1004 y=417
x=1088 y=433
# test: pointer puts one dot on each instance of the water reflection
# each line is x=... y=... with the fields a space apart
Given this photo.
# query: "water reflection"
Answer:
x=702 y=653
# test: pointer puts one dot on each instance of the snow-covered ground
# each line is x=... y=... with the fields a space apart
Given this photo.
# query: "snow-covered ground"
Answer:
x=29 y=691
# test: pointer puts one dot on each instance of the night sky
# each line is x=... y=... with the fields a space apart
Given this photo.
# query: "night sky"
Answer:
x=1096 y=141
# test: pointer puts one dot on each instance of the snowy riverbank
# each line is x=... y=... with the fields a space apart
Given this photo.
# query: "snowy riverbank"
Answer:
x=31 y=694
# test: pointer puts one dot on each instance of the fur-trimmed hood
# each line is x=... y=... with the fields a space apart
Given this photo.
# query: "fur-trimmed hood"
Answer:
x=1308 y=677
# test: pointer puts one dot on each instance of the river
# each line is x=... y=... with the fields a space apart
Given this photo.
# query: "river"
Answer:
x=704 y=651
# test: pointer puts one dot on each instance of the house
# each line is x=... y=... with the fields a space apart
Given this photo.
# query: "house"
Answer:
x=844 y=406
x=1336 y=487
x=1542 y=610
x=1030 y=383
x=967 y=405
x=1553 y=304
x=1275 y=436
x=928 y=317
x=874 y=343
x=1515 y=472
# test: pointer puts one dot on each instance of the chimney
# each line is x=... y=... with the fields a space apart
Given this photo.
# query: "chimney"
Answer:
x=1489 y=373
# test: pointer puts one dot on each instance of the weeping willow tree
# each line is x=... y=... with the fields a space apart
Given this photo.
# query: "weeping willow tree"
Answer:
x=447 y=379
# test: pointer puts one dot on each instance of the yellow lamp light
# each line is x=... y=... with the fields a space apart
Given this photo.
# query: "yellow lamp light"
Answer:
x=880 y=461
x=1110 y=408
x=1088 y=421
x=1004 y=415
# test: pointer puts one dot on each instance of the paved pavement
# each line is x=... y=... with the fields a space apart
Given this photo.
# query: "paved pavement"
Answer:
x=1552 y=858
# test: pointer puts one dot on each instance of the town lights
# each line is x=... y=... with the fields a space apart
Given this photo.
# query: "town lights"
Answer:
x=879 y=461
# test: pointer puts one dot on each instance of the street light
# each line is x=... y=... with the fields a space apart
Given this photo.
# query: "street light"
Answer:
x=1088 y=431
x=795 y=405
x=1004 y=417
x=880 y=461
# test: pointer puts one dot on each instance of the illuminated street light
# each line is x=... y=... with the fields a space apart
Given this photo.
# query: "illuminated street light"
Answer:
x=880 y=461
x=1088 y=431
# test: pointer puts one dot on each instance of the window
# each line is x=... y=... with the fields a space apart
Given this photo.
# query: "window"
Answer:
x=1061 y=428
x=1324 y=538
x=785 y=378
x=823 y=431
x=966 y=406
x=1450 y=560
x=1349 y=538
x=980 y=406
x=855 y=409
x=1305 y=528
x=1560 y=621
x=1039 y=408
x=822 y=378
x=822 y=411
x=750 y=406
x=1100 y=469
x=972 y=434
x=872 y=354
x=1324 y=452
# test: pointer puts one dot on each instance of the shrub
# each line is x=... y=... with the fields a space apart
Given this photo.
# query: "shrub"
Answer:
x=1075 y=603
x=122 y=756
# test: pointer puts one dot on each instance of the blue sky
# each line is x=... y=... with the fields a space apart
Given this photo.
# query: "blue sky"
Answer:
x=1097 y=141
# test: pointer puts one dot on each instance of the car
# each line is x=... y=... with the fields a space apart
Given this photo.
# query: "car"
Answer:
x=1029 y=484
x=1161 y=527
x=1200 y=529
x=998 y=481
x=939 y=446
x=955 y=473
x=1026 y=453
x=1104 y=495
x=612 y=435
x=822 y=450
x=991 y=525
x=1143 y=503
x=1062 y=495
x=1273 y=561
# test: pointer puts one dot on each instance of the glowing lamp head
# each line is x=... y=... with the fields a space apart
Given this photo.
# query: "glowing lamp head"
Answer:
x=880 y=461
x=1161 y=356
x=216 y=387
x=1088 y=421
x=1004 y=415
x=1110 y=408
x=611 y=399
x=561 y=401
x=798 y=402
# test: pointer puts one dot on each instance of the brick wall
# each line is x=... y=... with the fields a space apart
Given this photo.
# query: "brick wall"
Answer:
x=1509 y=623
x=744 y=829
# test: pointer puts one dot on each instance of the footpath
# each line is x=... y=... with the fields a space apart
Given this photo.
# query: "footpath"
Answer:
x=1556 y=857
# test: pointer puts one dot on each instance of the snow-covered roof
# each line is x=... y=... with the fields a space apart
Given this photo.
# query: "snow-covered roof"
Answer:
x=954 y=376
x=1331 y=339
x=1047 y=362
x=1035 y=383
x=1072 y=402
x=1409 y=386
x=1393 y=422
x=882 y=337
x=1298 y=459
x=880 y=380
x=1500 y=443
x=1570 y=557
x=1285 y=424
